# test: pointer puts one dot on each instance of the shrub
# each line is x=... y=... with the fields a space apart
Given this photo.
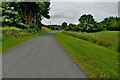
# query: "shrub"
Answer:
x=57 y=28
x=69 y=27
x=76 y=28
x=52 y=27
x=11 y=28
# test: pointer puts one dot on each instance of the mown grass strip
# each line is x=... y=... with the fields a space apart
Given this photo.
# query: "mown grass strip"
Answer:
x=95 y=60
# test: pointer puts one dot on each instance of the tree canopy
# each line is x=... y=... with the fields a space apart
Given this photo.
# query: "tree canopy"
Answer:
x=64 y=25
x=87 y=19
x=88 y=24
x=25 y=14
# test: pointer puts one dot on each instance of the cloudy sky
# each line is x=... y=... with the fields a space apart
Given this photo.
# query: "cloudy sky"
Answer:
x=70 y=11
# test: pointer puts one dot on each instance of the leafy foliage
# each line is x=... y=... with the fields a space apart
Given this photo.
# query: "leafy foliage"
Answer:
x=64 y=25
x=88 y=24
x=87 y=19
x=25 y=15
x=111 y=23
x=54 y=27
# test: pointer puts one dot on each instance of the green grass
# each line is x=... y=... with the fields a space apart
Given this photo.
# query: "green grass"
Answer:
x=11 y=41
x=107 y=39
x=97 y=61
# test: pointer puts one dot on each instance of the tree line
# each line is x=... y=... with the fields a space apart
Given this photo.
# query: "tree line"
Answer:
x=24 y=15
x=88 y=24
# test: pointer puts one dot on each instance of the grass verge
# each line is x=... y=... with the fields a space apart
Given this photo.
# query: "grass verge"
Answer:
x=95 y=60
x=107 y=39
x=10 y=42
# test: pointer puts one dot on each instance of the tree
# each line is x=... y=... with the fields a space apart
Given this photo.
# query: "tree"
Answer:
x=87 y=19
x=64 y=25
x=31 y=13
x=11 y=17
x=69 y=27
x=87 y=23
x=76 y=28
x=111 y=23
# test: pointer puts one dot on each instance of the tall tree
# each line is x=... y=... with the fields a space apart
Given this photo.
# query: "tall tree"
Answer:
x=87 y=23
x=87 y=19
x=64 y=25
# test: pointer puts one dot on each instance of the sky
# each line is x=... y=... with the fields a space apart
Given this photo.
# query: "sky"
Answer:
x=85 y=0
x=70 y=11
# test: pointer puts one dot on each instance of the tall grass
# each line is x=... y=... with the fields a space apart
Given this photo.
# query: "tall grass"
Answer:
x=107 y=39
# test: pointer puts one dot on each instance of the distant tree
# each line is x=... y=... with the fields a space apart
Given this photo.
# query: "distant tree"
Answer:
x=87 y=19
x=72 y=24
x=87 y=23
x=69 y=27
x=98 y=27
x=76 y=28
x=111 y=23
x=64 y=25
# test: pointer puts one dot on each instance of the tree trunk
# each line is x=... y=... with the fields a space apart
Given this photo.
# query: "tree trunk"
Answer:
x=30 y=18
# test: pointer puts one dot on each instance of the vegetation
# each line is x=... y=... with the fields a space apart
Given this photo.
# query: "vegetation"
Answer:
x=95 y=60
x=24 y=15
x=13 y=36
x=107 y=39
x=54 y=27
x=26 y=18
x=64 y=25
x=88 y=24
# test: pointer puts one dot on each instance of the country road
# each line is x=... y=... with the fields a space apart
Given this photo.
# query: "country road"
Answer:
x=40 y=57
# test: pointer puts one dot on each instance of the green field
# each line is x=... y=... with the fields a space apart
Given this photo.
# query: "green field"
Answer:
x=95 y=60
x=107 y=39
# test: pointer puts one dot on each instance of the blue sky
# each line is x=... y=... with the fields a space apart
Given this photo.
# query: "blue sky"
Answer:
x=71 y=11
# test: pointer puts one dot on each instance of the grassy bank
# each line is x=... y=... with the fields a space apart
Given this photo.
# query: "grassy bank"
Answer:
x=95 y=60
x=12 y=38
x=107 y=39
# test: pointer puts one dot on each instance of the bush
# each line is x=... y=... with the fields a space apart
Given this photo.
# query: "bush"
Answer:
x=52 y=27
x=13 y=33
x=16 y=32
x=11 y=28
x=69 y=27
x=76 y=28
x=56 y=28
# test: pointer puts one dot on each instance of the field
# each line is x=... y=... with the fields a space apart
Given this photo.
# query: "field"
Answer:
x=12 y=36
x=107 y=39
x=95 y=60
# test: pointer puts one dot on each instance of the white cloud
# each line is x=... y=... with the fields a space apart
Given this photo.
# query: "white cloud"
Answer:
x=70 y=12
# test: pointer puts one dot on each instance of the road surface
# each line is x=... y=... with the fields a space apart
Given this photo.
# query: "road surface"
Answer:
x=40 y=57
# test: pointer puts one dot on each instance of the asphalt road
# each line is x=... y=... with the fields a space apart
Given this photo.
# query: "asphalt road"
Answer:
x=40 y=57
